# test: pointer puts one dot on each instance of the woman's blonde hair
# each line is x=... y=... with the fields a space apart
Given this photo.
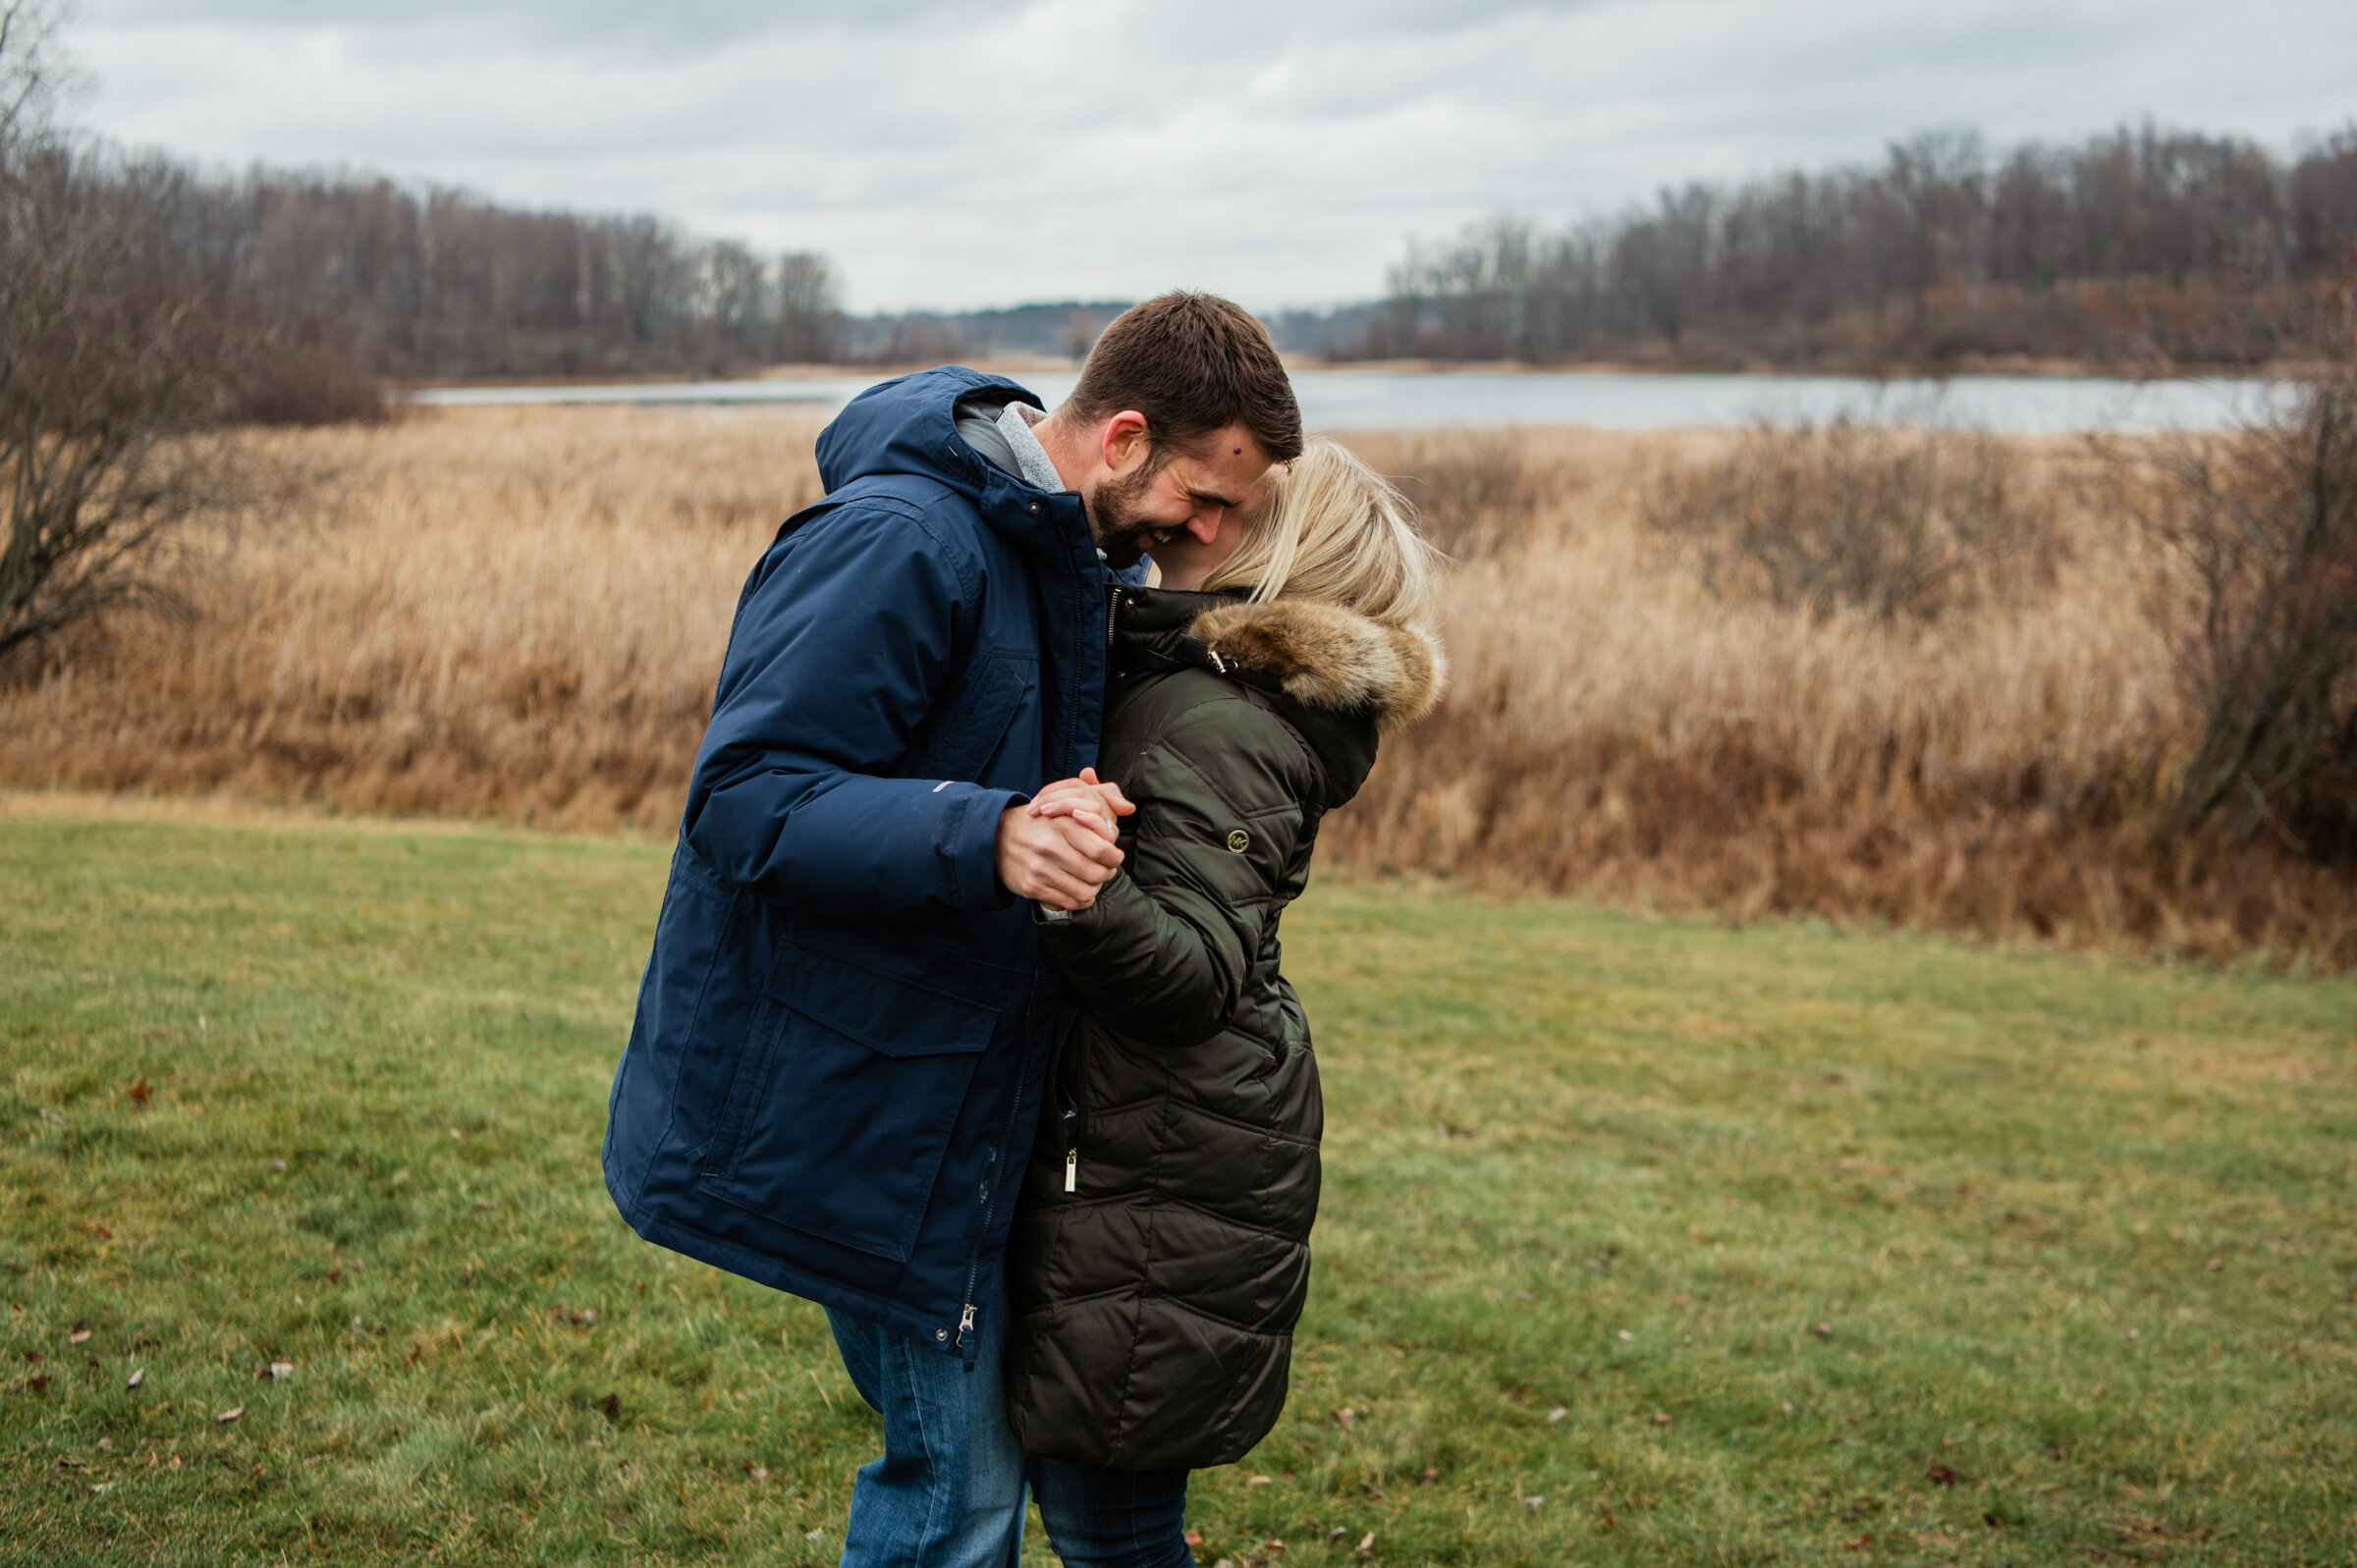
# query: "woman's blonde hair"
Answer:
x=1338 y=530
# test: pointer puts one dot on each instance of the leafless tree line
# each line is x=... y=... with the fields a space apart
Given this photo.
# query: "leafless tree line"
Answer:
x=431 y=283
x=2137 y=243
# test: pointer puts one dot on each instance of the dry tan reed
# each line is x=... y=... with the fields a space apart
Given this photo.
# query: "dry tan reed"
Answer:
x=499 y=612
x=520 y=614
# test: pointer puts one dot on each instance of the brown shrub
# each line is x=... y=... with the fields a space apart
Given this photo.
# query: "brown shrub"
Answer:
x=1893 y=520
x=2256 y=535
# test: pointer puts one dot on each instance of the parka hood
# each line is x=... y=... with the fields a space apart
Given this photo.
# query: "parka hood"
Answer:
x=1323 y=656
x=909 y=425
x=1326 y=656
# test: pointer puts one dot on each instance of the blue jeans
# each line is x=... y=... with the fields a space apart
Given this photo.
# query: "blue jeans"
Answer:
x=949 y=1490
x=1100 y=1517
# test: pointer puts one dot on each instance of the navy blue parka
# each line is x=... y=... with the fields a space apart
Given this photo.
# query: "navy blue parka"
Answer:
x=835 y=1068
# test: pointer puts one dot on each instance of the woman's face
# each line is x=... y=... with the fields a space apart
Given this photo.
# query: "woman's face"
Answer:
x=1185 y=561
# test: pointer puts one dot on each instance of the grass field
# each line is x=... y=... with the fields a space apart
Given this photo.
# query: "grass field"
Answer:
x=1644 y=1242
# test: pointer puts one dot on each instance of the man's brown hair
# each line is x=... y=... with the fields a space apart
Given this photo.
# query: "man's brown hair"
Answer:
x=1192 y=363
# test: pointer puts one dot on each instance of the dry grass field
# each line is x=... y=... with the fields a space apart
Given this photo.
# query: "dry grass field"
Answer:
x=518 y=613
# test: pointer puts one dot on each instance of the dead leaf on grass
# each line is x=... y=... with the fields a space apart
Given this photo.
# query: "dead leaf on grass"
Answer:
x=228 y=1416
x=78 y=1334
x=140 y=1091
x=611 y=1407
x=69 y=1462
x=1823 y=1331
x=1940 y=1476
x=1366 y=1545
x=1194 y=1537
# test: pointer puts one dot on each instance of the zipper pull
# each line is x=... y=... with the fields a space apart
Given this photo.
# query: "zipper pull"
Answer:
x=1071 y=1170
x=965 y=1324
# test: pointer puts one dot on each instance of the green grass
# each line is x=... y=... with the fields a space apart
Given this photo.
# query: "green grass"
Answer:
x=2077 y=1230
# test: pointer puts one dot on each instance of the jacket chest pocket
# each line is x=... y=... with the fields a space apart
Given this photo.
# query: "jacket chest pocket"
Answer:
x=843 y=1101
x=975 y=718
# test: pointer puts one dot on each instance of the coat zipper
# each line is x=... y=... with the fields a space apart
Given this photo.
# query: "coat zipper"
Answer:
x=1075 y=1118
x=1071 y=1084
x=990 y=1206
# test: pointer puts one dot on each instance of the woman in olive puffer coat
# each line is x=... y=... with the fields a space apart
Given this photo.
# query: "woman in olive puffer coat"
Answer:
x=1160 y=1256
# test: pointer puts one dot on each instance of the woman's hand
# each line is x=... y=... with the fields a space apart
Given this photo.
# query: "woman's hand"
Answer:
x=1088 y=800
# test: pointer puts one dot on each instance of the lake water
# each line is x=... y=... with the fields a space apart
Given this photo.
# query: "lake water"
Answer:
x=1362 y=400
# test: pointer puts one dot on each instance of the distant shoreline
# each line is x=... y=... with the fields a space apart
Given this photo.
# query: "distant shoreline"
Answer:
x=2044 y=369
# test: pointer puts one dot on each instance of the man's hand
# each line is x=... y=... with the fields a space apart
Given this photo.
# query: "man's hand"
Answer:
x=1060 y=860
x=1088 y=800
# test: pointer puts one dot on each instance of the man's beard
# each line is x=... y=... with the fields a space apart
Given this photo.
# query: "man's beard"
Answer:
x=1113 y=520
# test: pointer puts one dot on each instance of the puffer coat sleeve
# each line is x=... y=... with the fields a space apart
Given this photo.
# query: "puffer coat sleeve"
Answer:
x=1167 y=955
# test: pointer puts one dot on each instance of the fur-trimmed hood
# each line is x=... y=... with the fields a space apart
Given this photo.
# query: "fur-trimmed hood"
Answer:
x=1328 y=657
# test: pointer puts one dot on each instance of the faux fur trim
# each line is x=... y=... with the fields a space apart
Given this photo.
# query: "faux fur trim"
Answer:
x=1330 y=657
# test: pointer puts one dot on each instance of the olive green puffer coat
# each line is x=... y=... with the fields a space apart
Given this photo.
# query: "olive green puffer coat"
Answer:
x=1160 y=1254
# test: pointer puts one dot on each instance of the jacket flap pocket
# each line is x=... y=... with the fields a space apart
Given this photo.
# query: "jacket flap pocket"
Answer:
x=888 y=1014
x=975 y=718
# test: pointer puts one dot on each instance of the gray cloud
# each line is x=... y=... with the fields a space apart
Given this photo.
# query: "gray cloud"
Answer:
x=973 y=154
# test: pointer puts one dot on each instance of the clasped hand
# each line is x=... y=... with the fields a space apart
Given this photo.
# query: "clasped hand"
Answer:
x=1064 y=844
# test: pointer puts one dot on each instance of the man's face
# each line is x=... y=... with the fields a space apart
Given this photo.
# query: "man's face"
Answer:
x=1148 y=493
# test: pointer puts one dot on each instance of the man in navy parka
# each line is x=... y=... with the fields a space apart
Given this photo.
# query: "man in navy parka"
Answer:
x=840 y=1040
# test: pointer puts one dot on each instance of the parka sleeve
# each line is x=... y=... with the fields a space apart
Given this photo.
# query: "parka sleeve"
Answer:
x=843 y=640
x=1164 y=954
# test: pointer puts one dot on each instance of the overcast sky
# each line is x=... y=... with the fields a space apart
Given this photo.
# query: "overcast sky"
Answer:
x=997 y=151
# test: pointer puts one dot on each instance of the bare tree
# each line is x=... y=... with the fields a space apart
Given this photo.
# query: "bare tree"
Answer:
x=809 y=315
x=2260 y=528
x=113 y=366
x=32 y=72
